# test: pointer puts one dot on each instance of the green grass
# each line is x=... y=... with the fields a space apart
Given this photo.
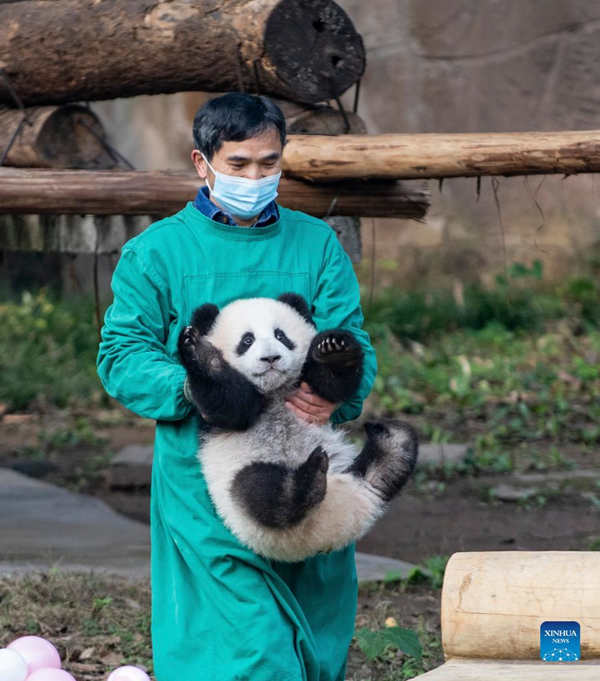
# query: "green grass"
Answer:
x=47 y=353
x=511 y=366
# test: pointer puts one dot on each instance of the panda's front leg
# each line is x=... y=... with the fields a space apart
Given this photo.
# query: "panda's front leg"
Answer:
x=221 y=394
x=334 y=364
x=277 y=496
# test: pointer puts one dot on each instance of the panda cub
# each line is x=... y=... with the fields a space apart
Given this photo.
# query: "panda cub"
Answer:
x=286 y=488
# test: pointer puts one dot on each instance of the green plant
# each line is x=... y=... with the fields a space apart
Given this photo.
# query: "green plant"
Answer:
x=47 y=352
x=374 y=643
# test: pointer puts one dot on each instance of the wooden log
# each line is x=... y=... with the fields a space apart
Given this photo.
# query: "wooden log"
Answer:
x=305 y=50
x=160 y=193
x=54 y=137
x=494 y=602
x=324 y=120
x=324 y=158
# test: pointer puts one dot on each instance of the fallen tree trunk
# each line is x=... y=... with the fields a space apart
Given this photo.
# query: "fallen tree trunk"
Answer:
x=141 y=193
x=54 y=137
x=304 y=50
x=325 y=158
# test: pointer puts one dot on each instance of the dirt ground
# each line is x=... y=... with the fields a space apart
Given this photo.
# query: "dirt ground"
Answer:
x=431 y=517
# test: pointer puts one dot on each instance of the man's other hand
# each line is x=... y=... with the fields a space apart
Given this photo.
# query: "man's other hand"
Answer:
x=309 y=406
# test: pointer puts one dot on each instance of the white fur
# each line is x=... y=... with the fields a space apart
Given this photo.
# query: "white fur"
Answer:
x=351 y=504
x=262 y=316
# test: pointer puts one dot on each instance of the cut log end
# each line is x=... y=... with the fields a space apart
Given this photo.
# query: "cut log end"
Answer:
x=315 y=48
x=71 y=138
x=54 y=137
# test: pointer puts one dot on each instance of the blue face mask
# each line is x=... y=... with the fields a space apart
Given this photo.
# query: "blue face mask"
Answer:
x=242 y=197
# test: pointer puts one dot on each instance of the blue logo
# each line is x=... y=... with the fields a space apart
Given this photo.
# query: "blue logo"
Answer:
x=560 y=641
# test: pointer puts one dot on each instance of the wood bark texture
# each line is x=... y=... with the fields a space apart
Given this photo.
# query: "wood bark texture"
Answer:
x=54 y=137
x=77 y=50
x=324 y=158
x=494 y=602
x=141 y=193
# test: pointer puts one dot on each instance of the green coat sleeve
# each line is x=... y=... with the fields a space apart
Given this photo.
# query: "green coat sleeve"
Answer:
x=133 y=362
x=337 y=304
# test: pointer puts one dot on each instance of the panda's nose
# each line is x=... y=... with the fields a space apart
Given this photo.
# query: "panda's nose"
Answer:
x=271 y=359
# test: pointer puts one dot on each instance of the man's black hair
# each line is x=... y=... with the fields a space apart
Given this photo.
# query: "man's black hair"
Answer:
x=235 y=117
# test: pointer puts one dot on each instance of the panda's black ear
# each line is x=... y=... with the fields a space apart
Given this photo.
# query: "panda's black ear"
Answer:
x=204 y=317
x=299 y=304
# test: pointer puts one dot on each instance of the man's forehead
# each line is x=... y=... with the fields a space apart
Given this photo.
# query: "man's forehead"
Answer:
x=263 y=146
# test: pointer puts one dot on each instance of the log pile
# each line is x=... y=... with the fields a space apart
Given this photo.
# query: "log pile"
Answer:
x=301 y=51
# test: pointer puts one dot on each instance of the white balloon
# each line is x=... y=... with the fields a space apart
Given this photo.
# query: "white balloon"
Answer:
x=128 y=673
x=12 y=666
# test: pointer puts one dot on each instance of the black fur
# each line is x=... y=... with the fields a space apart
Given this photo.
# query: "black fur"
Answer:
x=282 y=338
x=334 y=364
x=245 y=342
x=277 y=496
x=299 y=304
x=223 y=396
x=387 y=477
x=204 y=317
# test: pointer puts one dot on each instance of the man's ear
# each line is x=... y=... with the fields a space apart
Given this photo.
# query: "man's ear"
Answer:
x=204 y=317
x=199 y=163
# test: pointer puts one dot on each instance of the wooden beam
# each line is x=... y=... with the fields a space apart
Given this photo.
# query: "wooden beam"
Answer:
x=80 y=50
x=326 y=158
x=119 y=192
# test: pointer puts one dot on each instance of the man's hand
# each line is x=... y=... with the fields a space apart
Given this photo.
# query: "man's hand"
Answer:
x=309 y=406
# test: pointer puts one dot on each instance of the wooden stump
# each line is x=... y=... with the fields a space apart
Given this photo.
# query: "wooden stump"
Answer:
x=54 y=137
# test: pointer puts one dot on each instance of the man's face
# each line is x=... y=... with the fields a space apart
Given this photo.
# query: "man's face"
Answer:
x=253 y=158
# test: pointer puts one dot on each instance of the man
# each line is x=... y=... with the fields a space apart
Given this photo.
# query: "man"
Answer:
x=219 y=611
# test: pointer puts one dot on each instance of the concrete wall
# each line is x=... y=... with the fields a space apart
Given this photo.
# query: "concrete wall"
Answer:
x=490 y=65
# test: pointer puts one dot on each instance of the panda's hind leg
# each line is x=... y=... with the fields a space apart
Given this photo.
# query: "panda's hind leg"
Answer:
x=388 y=457
x=277 y=496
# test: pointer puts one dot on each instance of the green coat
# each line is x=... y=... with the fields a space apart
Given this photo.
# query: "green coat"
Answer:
x=219 y=611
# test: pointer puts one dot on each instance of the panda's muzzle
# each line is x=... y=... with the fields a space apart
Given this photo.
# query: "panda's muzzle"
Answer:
x=271 y=359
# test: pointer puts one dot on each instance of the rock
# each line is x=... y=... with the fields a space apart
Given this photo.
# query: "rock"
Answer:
x=505 y=492
x=131 y=467
x=372 y=568
x=438 y=454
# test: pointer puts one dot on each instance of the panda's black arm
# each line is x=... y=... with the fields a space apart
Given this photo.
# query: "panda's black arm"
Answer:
x=223 y=396
x=334 y=365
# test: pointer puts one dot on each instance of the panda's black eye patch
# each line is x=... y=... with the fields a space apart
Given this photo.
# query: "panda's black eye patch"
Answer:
x=245 y=342
x=282 y=338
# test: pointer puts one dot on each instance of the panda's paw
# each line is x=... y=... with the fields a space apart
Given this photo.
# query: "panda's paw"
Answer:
x=197 y=353
x=311 y=479
x=337 y=347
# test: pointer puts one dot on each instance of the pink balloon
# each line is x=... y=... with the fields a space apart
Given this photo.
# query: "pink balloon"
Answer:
x=50 y=674
x=37 y=652
x=128 y=673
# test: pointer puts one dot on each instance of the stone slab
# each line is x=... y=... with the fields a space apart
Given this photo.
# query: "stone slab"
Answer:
x=43 y=526
x=131 y=467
